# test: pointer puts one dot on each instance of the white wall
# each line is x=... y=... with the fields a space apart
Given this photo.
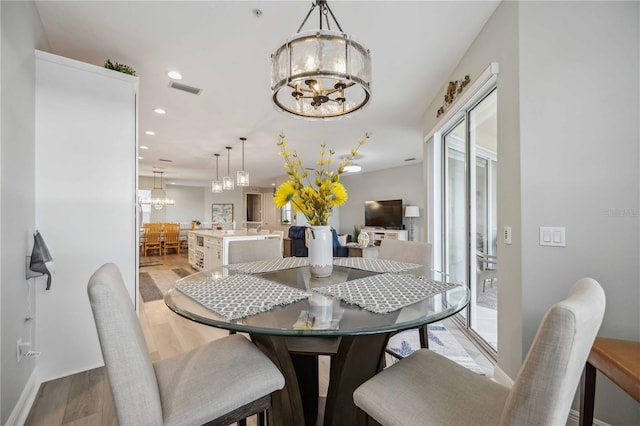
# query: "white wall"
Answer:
x=390 y=184
x=579 y=121
x=86 y=156
x=188 y=201
x=21 y=33
x=568 y=131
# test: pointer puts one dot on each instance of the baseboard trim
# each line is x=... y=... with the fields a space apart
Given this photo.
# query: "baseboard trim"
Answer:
x=23 y=406
x=502 y=377
x=574 y=419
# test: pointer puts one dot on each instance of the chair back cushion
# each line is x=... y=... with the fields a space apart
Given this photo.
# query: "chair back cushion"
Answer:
x=544 y=389
x=253 y=250
x=406 y=251
x=131 y=374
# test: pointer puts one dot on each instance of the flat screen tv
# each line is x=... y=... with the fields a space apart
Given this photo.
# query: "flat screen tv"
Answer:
x=383 y=214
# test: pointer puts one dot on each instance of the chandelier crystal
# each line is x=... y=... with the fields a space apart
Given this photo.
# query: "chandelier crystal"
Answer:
x=242 y=176
x=227 y=181
x=321 y=74
x=158 y=195
x=216 y=185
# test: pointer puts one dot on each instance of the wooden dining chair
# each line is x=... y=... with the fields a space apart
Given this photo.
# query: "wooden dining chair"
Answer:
x=429 y=389
x=219 y=383
x=152 y=238
x=171 y=238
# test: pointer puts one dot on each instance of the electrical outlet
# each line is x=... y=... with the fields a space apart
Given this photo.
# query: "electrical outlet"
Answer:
x=24 y=349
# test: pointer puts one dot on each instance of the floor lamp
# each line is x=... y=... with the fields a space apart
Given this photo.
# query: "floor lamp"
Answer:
x=411 y=212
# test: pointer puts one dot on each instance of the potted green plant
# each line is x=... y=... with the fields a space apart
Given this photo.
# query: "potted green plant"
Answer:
x=194 y=223
x=356 y=233
x=116 y=66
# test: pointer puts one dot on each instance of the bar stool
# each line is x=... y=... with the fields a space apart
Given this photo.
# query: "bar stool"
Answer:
x=617 y=359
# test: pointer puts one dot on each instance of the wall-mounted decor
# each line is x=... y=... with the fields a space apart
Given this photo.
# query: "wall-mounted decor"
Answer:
x=221 y=214
x=453 y=90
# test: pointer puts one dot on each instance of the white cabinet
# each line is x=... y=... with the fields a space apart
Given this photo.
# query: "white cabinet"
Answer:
x=212 y=252
x=377 y=235
x=85 y=185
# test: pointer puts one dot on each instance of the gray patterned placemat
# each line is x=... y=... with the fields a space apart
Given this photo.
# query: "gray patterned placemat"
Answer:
x=385 y=293
x=240 y=295
x=374 y=265
x=270 y=265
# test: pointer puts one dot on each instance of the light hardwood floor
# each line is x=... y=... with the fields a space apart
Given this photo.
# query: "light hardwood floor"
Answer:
x=85 y=399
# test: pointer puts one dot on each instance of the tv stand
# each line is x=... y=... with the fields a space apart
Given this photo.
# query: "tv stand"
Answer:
x=376 y=235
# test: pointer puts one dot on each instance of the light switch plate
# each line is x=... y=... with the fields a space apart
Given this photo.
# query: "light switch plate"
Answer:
x=553 y=236
x=507 y=235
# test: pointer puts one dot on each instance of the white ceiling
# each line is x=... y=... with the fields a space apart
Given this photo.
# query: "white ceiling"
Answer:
x=223 y=48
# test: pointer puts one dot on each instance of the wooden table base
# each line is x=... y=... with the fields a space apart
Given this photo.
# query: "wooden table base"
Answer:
x=356 y=360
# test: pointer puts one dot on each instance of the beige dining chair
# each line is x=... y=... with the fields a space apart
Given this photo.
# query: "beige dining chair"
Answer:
x=278 y=235
x=221 y=382
x=405 y=251
x=428 y=389
x=253 y=250
x=409 y=252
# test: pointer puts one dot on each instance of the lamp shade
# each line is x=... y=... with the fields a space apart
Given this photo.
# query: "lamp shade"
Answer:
x=412 y=211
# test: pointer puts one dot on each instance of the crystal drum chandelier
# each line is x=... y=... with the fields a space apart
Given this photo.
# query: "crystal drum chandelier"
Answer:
x=242 y=176
x=216 y=185
x=158 y=195
x=321 y=74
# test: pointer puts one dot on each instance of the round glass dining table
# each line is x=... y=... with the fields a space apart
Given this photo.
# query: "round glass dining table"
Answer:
x=295 y=334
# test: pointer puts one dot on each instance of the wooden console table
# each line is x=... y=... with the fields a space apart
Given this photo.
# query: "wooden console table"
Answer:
x=619 y=360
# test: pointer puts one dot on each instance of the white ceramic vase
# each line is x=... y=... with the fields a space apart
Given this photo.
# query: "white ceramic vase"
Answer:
x=320 y=245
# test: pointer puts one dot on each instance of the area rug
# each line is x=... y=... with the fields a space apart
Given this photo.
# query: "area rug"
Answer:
x=148 y=289
x=441 y=341
x=181 y=272
x=150 y=263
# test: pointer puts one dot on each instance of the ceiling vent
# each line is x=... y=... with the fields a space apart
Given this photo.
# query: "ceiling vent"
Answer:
x=184 y=88
x=165 y=160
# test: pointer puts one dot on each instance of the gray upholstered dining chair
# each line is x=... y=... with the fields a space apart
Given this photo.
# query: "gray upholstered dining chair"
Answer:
x=221 y=382
x=409 y=252
x=427 y=388
x=253 y=250
x=406 y=251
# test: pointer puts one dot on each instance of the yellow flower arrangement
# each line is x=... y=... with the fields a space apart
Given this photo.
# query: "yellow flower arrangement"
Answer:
x=318 y=196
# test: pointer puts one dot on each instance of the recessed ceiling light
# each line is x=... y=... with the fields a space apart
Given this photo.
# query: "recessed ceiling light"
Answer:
x=352 y=168
x=140 y=158
x=173 y=183
x=159 y=111
x=174 y=75
x=144 y=147
x=150 y=133
x=273 y=184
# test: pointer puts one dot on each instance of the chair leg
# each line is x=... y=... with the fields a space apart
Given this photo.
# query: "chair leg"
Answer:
x=424 y=336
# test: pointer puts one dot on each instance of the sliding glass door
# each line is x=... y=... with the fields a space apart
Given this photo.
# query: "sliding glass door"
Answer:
x=469 y=220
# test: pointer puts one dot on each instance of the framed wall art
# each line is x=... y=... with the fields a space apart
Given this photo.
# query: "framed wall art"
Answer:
x=221 y=214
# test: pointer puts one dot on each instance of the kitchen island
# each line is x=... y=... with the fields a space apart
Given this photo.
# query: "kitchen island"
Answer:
x=210 y=248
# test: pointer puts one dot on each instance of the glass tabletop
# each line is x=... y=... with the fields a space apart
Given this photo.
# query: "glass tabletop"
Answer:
x=319 y=315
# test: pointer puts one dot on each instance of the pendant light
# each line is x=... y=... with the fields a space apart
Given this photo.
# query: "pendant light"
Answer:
x=242 y=176
x=227 y=182
x=158 y=195
x=321 y=74
x=216 y=185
